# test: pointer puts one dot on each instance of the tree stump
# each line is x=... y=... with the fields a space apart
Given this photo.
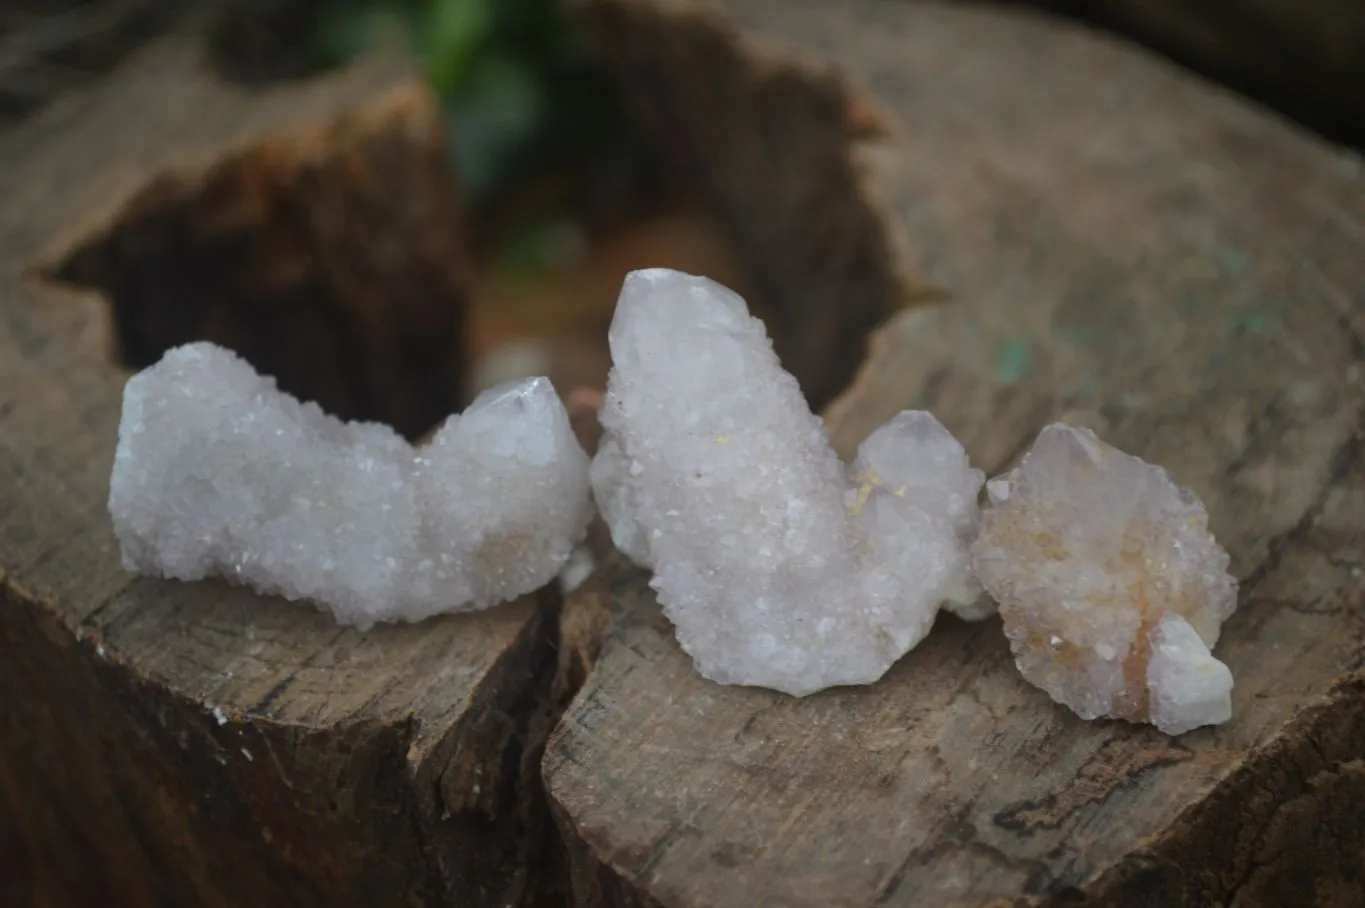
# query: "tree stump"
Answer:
x=1123 y=248
x=196 y=744
x=1091 y=235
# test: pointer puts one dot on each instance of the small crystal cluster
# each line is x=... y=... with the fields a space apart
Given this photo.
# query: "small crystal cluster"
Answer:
x=779 y=566
x=218 y=472
x=1111 y=588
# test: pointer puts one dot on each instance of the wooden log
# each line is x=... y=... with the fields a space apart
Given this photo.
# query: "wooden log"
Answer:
x=195 y=744
x=1124 y=248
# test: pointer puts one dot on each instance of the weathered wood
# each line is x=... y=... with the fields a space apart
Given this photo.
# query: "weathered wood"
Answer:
x=780 y=166
x=1125 y=249
x=1306 y=58
x=195 y=744
x=333 y=256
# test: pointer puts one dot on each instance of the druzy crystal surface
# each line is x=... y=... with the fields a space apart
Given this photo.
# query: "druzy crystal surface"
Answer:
x=217 y=472
x=778 y=565
x=1111 y=588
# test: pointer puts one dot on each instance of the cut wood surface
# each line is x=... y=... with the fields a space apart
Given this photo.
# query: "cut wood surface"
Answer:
x=1121 y=247
x=195 y=744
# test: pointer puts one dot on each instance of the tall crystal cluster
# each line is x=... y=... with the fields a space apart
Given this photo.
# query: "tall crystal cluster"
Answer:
x=1111 y=588
x=217 y=472
x=779 y=566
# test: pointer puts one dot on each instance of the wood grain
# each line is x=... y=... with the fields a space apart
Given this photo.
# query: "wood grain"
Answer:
x=1123 y=248
x=165 y=743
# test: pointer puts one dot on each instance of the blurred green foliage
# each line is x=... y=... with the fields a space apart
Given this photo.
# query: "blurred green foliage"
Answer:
x=520 y=87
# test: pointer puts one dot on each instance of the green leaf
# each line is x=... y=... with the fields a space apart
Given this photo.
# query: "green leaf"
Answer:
x=500 y=112
x=535 y=248
x=449 y=40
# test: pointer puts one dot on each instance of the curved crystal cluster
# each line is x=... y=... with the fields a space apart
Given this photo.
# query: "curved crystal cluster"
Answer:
x=218 y=472
x=1111 y=588
x=778 y=565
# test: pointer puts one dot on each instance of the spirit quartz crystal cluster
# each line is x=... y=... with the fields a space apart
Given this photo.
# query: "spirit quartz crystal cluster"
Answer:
x=1111 y=588
x=778 y=566
x=217 y=472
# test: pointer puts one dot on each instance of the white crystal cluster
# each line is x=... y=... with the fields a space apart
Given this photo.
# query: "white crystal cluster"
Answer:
x=1110 y=586
x=218 y=472
x=779 y=566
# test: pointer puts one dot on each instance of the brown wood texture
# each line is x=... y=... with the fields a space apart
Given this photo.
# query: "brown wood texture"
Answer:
x=1122 y=247
x=1308 y=58
x=195 y=744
